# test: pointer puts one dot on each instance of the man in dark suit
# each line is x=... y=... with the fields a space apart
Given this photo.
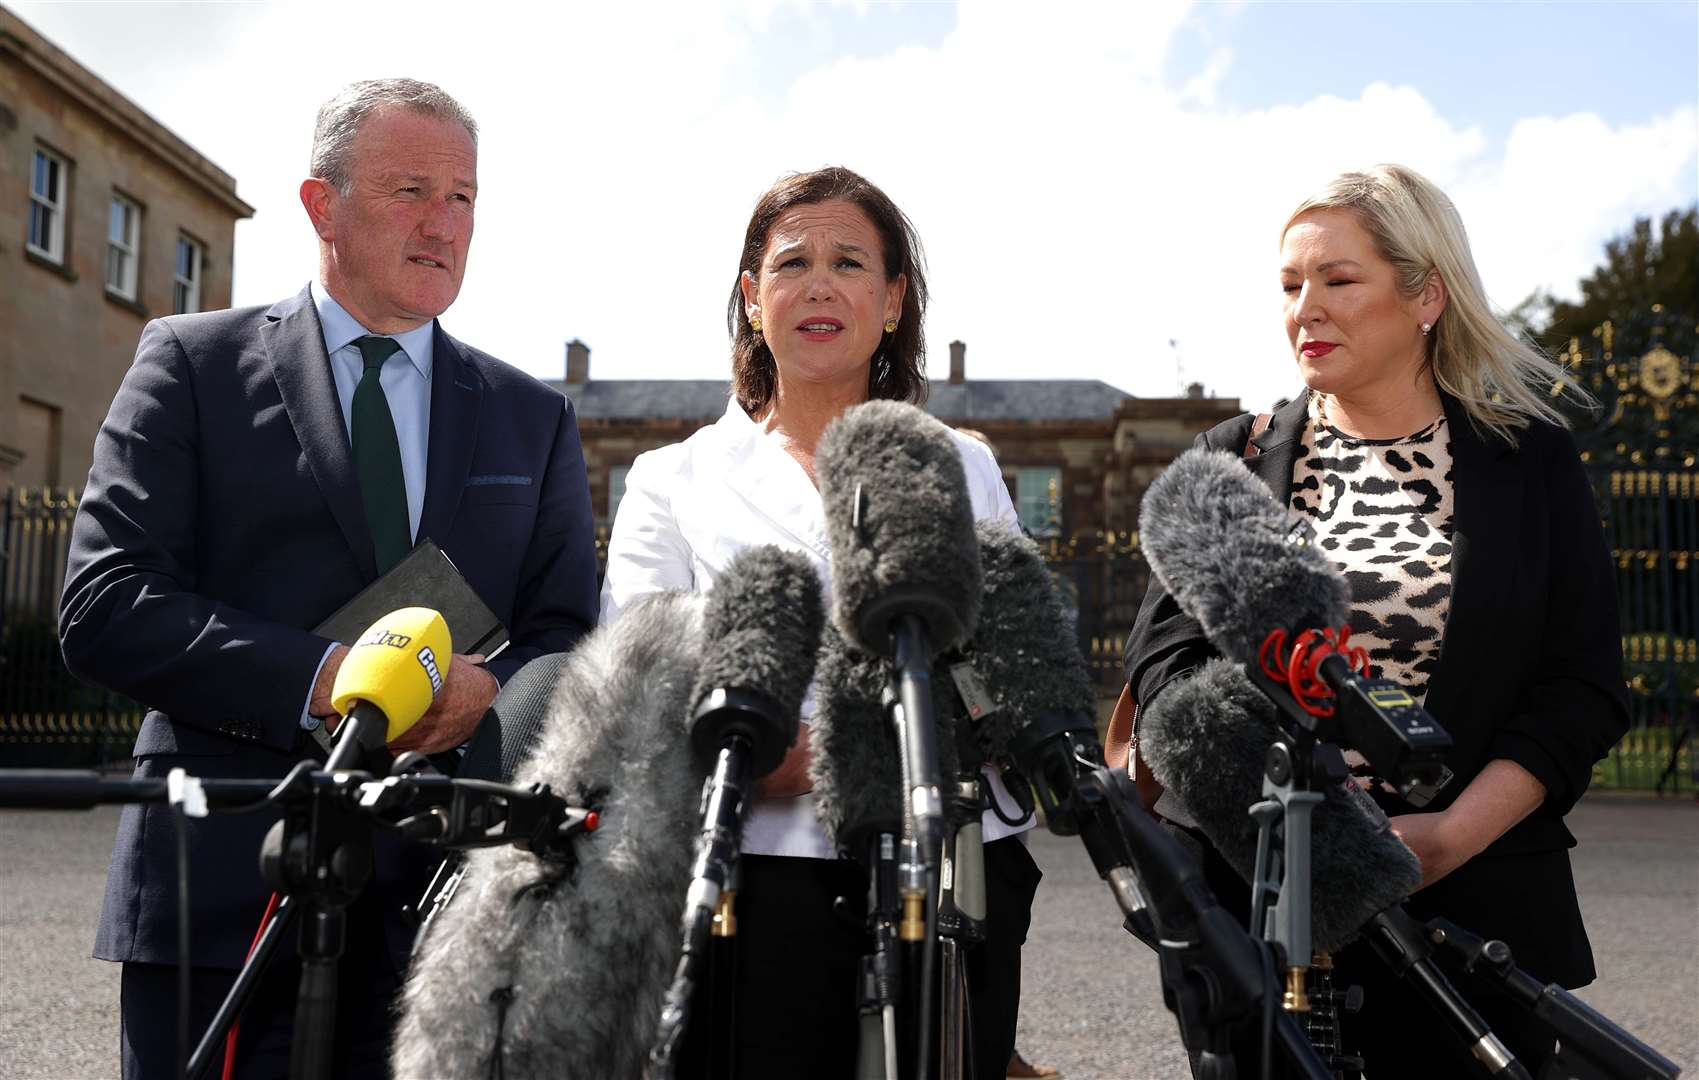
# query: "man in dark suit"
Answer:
x=257 y=469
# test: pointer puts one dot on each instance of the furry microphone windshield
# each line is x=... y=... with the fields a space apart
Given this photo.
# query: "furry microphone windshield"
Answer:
x=761 y=630
x=900 y=524
x=1207 y=738
x=1026 y=647
x=855 y=759
x=1232 y=557
x=562 y=971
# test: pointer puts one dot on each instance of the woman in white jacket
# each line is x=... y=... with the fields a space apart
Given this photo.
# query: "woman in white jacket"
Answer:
x=826 y=314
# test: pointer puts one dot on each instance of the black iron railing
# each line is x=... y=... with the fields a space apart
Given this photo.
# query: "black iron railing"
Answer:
x=47 y=716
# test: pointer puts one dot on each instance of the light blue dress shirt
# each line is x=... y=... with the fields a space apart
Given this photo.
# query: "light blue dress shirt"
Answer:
x=407 y=385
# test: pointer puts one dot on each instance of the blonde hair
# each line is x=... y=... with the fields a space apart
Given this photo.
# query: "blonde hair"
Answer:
x=1502 y=381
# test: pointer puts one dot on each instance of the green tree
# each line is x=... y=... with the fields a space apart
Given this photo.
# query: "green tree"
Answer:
x=1652 y=263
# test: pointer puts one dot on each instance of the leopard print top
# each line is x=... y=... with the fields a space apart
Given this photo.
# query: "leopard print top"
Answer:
x=1382 y=511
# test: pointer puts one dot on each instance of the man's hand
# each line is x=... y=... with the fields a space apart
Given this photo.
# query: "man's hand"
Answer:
x=319 y=704
x=466 y=693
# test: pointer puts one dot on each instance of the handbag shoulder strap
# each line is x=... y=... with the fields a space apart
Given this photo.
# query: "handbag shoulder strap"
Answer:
x=1258 y=426
x=1118 y=740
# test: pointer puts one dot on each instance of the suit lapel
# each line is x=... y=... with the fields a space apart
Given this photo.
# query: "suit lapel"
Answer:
x=457 y=394
x=1278 y=446
x=294 y=345
x=1487 y=494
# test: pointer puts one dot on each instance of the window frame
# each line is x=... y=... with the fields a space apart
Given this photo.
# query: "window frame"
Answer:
x=1054 y=476
x=193 y=284
x=616 y=488
x=131 y=287
x=59 y=211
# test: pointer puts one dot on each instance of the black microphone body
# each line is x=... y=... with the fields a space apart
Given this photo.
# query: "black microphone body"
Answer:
x=361 y=736
x=761 y=631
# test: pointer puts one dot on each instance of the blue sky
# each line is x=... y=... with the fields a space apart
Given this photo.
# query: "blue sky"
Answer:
x=1481 y=63
x=1090 y=180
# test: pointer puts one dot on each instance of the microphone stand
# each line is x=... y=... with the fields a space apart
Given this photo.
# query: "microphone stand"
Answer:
x=1300 y=765
x=1590 y=1045
x=747 y=733
x=1212 y=970
x=329 y=819
x=877 y=1056
x=909 y=705
x=961 y=913
x=724 y=795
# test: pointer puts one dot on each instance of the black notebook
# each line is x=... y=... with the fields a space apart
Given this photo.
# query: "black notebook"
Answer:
x=425 y=578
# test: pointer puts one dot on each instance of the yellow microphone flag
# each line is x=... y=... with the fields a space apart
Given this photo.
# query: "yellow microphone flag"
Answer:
x=398 y=665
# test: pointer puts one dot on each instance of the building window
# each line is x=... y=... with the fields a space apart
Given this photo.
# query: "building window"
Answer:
x=186 y=281
x=123 y=234
x=616 y=488
x=1038 y=500
x=47 y=206
x=40 y=436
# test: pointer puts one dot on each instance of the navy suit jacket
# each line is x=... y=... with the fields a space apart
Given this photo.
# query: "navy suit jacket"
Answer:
x=222 y=521
x=1530 y=665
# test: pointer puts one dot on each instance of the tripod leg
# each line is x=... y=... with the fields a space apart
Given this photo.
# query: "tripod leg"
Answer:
x=315 y=1003
x=1399 y=940
x=253 y=970
x=953 y=1015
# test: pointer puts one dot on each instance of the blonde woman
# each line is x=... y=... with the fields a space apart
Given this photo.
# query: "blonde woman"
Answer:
x=1428 y=457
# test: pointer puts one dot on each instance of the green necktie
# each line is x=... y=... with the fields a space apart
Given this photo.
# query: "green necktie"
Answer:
x=377 y=458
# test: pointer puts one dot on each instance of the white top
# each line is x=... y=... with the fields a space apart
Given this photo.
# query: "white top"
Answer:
x=689 y=507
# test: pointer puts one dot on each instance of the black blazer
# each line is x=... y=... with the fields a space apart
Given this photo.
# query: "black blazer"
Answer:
x=1530 y=664
x=222 y=520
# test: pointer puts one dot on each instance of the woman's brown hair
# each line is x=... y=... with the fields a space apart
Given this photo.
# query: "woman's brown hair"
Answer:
x=898 y=370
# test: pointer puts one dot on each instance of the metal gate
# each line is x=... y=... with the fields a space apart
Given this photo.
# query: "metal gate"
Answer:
x=1640 y=449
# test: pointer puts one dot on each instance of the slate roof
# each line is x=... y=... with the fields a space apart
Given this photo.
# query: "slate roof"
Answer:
x=976 y=400
x=1024 y=399
x=647 y=399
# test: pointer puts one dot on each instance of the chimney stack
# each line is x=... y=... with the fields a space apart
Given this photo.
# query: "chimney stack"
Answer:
x=577 y=363
x=958 y=363
x=1194 y=391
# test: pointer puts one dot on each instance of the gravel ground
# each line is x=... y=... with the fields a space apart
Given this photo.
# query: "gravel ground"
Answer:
x=1092 y=1002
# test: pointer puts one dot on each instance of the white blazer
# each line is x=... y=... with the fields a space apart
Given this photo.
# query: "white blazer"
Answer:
x=689 y=507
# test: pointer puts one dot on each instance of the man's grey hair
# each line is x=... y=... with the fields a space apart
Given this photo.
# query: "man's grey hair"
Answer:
x=340 y=119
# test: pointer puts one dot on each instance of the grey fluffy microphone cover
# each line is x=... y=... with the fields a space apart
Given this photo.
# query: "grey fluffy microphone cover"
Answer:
x=900 y=524
x=761 y=631
x=565 y=971
x=1227 y=553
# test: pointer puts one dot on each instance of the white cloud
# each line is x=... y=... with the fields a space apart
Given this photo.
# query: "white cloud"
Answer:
x=1078 y=212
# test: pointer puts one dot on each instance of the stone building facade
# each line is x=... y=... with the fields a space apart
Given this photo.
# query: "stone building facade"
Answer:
x=107 y=219
x=1077 y=453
